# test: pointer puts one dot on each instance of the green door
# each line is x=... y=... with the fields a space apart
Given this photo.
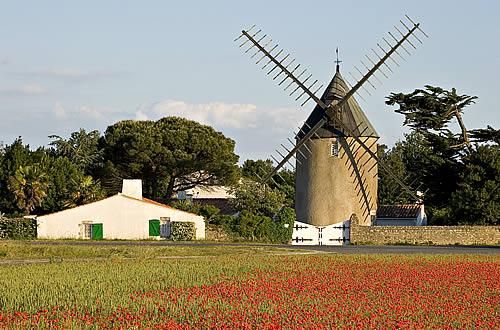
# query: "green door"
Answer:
x=97 y=232
x=154 y=227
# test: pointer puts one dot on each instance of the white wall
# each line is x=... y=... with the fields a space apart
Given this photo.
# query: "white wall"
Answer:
x=122 y=218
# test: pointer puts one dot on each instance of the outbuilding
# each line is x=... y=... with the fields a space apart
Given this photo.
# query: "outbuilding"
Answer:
x=126 y=215
x=401 y=215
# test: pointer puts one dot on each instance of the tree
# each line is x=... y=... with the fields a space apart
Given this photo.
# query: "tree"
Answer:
x=477 y=199
x=87 y=191
x=170 y=155
x=68 y=186
x=15 y=156
x=283 y=181
x=431 y=110
x=389 y=191
x=196 y=155
x=29 y=186
x=81 y=148
x=439 y=160
x=257 y=198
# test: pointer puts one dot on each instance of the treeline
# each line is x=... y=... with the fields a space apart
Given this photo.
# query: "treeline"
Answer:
x=457 y=169
x=169 y=155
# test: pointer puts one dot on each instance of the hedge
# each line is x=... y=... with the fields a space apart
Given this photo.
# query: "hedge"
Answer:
x=17 y=228
x=182 y=231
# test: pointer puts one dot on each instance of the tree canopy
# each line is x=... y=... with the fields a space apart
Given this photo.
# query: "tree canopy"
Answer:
x=170 y=154
x=454 y=167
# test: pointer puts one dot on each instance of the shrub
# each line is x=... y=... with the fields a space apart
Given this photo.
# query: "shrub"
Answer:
x=182 y=231
x=17 y=228
x=261 y=228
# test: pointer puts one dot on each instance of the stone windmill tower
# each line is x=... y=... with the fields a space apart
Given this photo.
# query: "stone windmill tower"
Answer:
x=329 y=169
x=335 y=150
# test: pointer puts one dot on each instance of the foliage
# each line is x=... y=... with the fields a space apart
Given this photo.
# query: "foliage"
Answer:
x=255 y=292
x=182 y=231
x=82 y=149
x=284 y=181
x=207 y=211
x=171 y=154
x=488 y=134
x=261 y=228
x=68 y=186
x=29 y=185
x=17 y=228
x=477 y=199
x=257 y=198
x=14 y=156
x=450 y=167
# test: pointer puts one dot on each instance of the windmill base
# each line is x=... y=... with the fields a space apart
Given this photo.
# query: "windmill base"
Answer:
x=335 y=234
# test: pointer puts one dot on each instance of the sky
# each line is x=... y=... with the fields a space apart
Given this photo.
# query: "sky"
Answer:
x=66 y=65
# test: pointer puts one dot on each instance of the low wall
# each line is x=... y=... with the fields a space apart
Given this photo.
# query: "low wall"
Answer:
x=435 y=235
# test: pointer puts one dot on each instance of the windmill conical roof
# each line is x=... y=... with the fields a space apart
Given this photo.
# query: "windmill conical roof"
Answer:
x=352 y=116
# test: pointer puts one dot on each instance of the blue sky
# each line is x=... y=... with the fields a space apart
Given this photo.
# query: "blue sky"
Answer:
x=66 y=65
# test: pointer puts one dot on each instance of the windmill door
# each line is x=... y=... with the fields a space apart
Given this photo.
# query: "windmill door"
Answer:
x=306 y=234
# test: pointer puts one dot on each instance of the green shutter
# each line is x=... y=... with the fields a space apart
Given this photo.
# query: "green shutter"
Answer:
x=154 y=227
x=97 y=232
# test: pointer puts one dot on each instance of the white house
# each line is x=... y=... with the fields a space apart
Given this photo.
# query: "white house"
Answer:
x=126 y=215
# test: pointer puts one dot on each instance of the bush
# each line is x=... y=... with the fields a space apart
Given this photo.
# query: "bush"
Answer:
x=208 y=212
x=182 y=231
x=248 y=225
x=17 y=228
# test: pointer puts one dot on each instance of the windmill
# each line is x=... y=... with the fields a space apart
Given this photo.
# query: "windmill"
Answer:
x=335 y=150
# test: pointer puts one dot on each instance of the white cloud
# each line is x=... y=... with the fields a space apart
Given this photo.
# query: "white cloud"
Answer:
x=67 y=74
x=30 y=89
x=84 y=111
x=225 y=115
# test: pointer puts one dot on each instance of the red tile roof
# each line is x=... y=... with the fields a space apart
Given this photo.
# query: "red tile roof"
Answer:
x=398 y=211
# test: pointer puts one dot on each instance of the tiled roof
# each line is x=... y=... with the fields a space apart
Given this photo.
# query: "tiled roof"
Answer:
x=398 y=211
x=221 y=203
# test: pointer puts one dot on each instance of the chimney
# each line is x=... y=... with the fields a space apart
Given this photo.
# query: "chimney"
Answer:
x=132 y=188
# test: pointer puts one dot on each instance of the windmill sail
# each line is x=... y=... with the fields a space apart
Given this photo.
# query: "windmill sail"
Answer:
x=327 y=111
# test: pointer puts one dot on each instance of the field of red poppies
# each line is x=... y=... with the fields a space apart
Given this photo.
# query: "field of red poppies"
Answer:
x=261 y=292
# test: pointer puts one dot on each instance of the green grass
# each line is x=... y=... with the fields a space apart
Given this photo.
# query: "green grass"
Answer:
x=74 y=250
x=106 y=284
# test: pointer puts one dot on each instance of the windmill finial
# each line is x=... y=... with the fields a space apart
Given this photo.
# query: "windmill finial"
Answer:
x=337 y=61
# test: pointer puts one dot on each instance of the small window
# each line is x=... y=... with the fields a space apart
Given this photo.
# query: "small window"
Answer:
x=334 y=151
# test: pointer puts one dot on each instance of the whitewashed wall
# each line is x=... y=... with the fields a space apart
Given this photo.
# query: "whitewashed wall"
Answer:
x=122 y=218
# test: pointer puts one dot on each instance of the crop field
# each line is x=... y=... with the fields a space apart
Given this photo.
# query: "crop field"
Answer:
x=255 y=290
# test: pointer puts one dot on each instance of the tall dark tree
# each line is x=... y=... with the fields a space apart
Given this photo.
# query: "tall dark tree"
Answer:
x=170 y=155
x=432 y=109
x=439 y=158
x=82 y=149
x=132 y=150
x=196 y=154
x=14 y=156
x=477 y=199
